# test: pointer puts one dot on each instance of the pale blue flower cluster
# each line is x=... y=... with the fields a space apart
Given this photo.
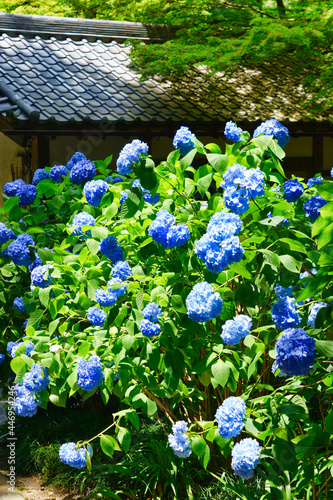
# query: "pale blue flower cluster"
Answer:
x=105 y=298
x=202 y=303
x=240 y=184
x=312 y=207
x=315 y=180
x=6 y=234
x=314 y=313
x=183 y=140
x=179 y=441
x=69 y=455
x=245 y=457
x=293 y=189
x=19 y=251
x=89 y=373
x=40 y=276
x=121 y=270
x=110 y=247
x=18 y=303
x=235 y=329
x=284 y=313
x=75 y=159
x=230 y=417
x=27 y=192
x=232 y=132
x=96 y=316
x=281 y=291
x=37 y=379
x=295 y=352
x=58 y=172
x=82 y=171
x=25 y=403
x=275 y=128
x=146 y=193
x=40 y=175
x=94 y=192
x=152 y=312
x=123 y=197
x=129 y=155
x=149 y=326
x=82 y=219
x=12 y=346
x=219 y=247
x=166 y=233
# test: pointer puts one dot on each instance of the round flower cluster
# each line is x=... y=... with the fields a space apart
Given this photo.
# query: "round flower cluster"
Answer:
x=121 y=270
x=166 y=233
x=6 y=234
x=281 y=291
x=82 y=171
x=293 y=189
x=82 y=219
x=284 y=313
x=89 y=373
x=245 y=457
x=110 y=247
x=315 y=180
x=219 y=247
x=230 y=417
x=314 y=313
x=25 y=402
x=179 y=441
x=40 y=276
x=183 y=140
x=94 y=192
x=105 y=298
x=58 y=172
x=312 y=207
x=295 y=352
x=119 y=287
x=129 y=155
x=37 y=379
x=149 y=326
x=235 y=329
x=18 y=303
x=114 y=179
x=202 y=303
x=19 y=251
x=75 y=159
x=27 y=192
x=146 y=193
x=37 y=262
x=40 y=175
x=275 y=128
x=69 y=455
x=232 y=132
x=12 y=346
x=240 y=184
x=13 y=188
x=96 y=316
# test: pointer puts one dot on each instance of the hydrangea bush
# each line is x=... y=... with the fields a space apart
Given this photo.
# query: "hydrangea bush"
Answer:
x=178 y=290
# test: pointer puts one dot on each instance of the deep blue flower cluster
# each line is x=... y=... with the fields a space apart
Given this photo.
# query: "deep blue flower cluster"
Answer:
x=312 y=207
x=129 y=155
x=40 y=276
x=37 y=262
x=230 y=417
x=37 y=379
x=18 y=303
x=314 y=313
x=27 y=192
x=165 y=232
x=240 y=184
x=82 y=219
x=245 y=457
x=75 y=159
x=183 y=140
x=96 y=316
x=40 y=175
x=146 y=193
x=293 y=189
x=284 y=313
x=2 y=357
x=219 y=247
x=121 y=270
x=105 y=298
x=94 y=192
x=69 y=455
x=235 y=329
x=58 y=172
x=179 y=441
x=152 y=312
x=89 y=373
x=149 y=326
x=281 y=291
x=19 y=251
x=82 y=171
x=295 y=352
x=25 y=402
x=13 y=188
x=110 y=247
x=315 y=180
x=6 y=234
x=275 y=128
x=118 y=290
x=232 y=132
x=114 y=179
x=202 y=303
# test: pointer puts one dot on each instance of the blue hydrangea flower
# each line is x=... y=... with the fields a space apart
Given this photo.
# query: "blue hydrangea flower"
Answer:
x=152 y=312
x=89 y=373
x=236 y=329
x=69 y=455
x=183 y=140
x=146 y=193
x=179 y=441
x=75 y=159
x=114 y=179
x=159 y=228
x=82 y=219
x=312 y=207
x=314 y=313
x=25 y=403
x=19 y=251
x=123 y=197
x=110 y=247
x=177 y=235
x=307 y=275
x=37 y=379
x=281 y=291
x=94 y=192
x=295 y=352
x=105 y=298
x=11 y=348
x=2 y=357
x=58 y=172
x=149 y=329
x=232 y=132
x=40 y=276
x=332 y=172
x=121 y=290
x=40 y=175
x=284 y=313
x=238 y=177
x=96 y=316
x=230 y=417
x=121 y=270
x=30 y=347
x=245 y=457
x=13 y=188
x=276 y=367
x=237 y=200
x=18 y=303
x=293 y=189
x=202 y=303
x=275 y=128
x=315 y=180
x=129 y=155
x=82 y=171
x=37 y=262
x=227 y=224
x=6 y=234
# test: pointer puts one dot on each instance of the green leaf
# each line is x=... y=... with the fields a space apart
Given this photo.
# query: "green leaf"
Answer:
x=220 y=371
x=187 y=160
x=93 y=246
x=16 y=364
x=325 y=189
x=44 y=296
x=124 y=438
x=108 y=444
x=35 y=318
x=285 y=455
x=290 y=263
x=110 y=211
x=294 y=245
x=313 y=442
x=326 y=236
x=198 y=445
x=325 y=347
x=329 y=423
x=59 y=399
x=84 y=349
x=218 y=162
